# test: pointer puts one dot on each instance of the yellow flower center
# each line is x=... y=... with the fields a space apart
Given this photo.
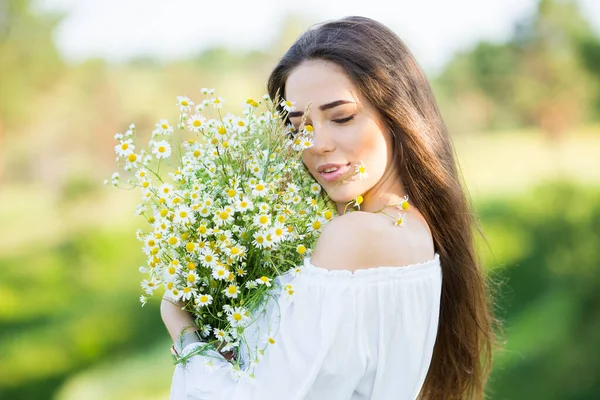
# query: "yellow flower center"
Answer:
x=301 y=249
x=231 y=192
x=260 y=187
x=202 y=229
x=124 y=146
x=271 y=340
x=170 y=285
x=190 y=247
x=316 y=225
x=328 y=215
x=263 y=219
x=184 y=103
x=260 y=239
x=237 y=316
x=224 y=215
x=197 y=123
x=145 y=184
x=164 y=126
x=405 y=205
x=232 y=289
x=132 y=157
x=309 y=128
x=203 y=298
x=191 y=278
x=151 y=243
x=208 y=258
x=191 y=266
x=173 y=241
x=172 y=270
x=222 y=130
x=235 y=251
x=182 y=214
x=278 y=232
x=162 y=149
x=196 y=153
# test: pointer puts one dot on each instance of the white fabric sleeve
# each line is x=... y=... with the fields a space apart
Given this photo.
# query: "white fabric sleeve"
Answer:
x=363 y=335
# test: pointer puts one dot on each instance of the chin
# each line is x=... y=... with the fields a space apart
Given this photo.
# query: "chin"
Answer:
x=342 y=195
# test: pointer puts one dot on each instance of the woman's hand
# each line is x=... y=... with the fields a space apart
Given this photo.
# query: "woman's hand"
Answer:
x=176 y=319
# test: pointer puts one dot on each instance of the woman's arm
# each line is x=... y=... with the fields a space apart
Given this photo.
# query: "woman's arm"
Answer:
x=179 y=321
x=175 y=319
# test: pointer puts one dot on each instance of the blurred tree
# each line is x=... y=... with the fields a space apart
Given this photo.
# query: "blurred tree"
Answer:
x=552 y=86
x=29 y=61
x=547 y=75
x=551 y=301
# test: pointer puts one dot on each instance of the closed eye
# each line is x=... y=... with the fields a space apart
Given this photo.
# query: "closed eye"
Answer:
x=343 y=120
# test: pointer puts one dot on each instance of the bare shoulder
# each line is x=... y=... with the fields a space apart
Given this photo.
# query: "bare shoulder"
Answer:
x=360 y=240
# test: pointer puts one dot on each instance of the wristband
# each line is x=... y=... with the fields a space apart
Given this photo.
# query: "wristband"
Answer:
x=184 y=340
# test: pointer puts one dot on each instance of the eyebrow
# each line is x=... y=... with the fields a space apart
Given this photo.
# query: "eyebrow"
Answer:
x=323 y=107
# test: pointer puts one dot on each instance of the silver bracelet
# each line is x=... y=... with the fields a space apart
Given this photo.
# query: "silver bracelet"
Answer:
x=184 y=340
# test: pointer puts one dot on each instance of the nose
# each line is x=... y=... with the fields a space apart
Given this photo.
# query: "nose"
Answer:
x=323 y=142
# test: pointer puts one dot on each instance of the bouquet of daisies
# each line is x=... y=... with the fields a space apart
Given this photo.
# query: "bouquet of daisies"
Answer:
x=229 y=207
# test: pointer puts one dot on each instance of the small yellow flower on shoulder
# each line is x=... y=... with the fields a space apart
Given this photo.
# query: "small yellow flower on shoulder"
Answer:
x=401 y=220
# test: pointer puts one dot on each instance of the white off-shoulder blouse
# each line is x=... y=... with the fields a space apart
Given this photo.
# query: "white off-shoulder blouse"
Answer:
x=367 y=334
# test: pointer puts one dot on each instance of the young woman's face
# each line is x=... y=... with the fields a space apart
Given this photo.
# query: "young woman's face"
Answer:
x=347 y=129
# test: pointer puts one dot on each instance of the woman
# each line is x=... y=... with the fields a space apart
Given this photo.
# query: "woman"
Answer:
x=372 y=318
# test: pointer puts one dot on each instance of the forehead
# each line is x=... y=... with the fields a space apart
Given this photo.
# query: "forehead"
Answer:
x=319 y=82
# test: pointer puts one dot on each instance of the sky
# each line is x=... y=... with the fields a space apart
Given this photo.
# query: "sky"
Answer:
x=119 y=30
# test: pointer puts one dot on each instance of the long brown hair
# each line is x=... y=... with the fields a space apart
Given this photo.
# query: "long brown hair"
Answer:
x=385 y=72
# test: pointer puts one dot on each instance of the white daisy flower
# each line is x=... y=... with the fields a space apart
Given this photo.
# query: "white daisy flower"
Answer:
x=220 y=273
x=208 y=258
x=262 y=220
x=165 y=190
x=316 y=224
x=162 y=149
x=163 y=127
x=223 y=216
x=264 y=208
x=401 y=220
x=403 y=204
x=238 y=316
x=360 y=171
x=232 y=291
x=243 y=205
x=260 y=189
x=260 y=240
x=188 y=292
x=251 y=285
x=196 y=123
x=218 y=102
x=143 y=300
x=118 y=136
x=171 y=272
x=174 y=241
x=125 y=148
x=264 y=280
x=149 y=286
x=278 y=232
x=306 y=143
x=192 y=278
x=184 y=103
x=315 y=188
x=174 y=294
x=288 y=105
x=201 y=301
x=184 y=215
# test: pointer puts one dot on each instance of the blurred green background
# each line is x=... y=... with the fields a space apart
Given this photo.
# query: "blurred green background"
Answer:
x=525 y=118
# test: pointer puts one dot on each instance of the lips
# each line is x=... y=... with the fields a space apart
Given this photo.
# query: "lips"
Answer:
x=332 y=172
